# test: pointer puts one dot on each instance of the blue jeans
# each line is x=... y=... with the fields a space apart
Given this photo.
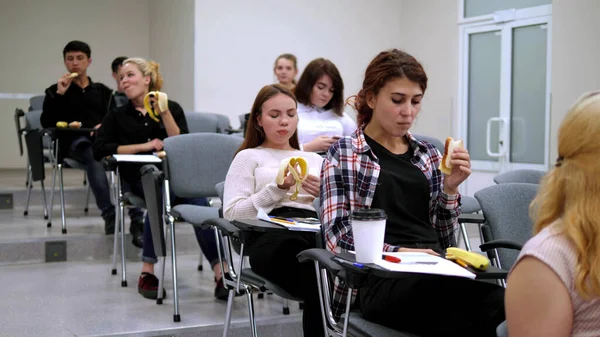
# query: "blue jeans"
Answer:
x=81 y=150
x=205 y=237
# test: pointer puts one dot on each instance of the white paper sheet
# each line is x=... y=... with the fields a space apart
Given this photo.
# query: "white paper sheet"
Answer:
x=137 y=158
x=412 y=262
x=302 y=226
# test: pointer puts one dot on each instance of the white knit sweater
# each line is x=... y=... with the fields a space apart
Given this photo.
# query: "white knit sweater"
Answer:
x=250 y=183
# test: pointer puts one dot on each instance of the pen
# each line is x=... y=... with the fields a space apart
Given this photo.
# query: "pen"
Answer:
x=390 y=258
x=460 y=262
x=283 y=220
x=355 y=264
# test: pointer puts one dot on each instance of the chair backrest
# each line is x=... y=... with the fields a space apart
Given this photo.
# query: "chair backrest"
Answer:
x=199 y=122
x=32 y=120
x=198 y=161
x=220 y=188
x=520 y=176
x=36 y=102
x=506 y=211
x=439 y=145
x=223 y=123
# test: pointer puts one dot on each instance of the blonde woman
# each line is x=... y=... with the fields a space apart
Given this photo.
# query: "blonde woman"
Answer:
x=129 y=129
x=554 y=287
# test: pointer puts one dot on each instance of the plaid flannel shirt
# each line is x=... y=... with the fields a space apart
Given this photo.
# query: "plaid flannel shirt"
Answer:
x=348 y=180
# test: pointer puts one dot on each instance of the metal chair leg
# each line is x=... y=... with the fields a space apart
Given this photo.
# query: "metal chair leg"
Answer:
x=62 y=198
x=121 y=224
x=116 y=237
x=251 y=310
x=171 y=223
x=44 y=198
x=228 y=312
x=87 y=200
x=286 y=306
x=200 y=262
x=52 y=197
x=27 y=169
x=161 y=279
x=29 y=187
x=463 y=230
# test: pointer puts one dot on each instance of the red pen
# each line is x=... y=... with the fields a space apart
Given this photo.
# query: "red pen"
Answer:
x=390 y=258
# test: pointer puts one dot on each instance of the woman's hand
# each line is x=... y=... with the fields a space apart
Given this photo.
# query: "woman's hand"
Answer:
x=312 y=185
x=418 y=250
x=288 y=182
x=461 y=170
x=320 y=144
x=154 y=103
x=153 y=145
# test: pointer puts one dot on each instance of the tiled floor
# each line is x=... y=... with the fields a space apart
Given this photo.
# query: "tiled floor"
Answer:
x=83 y=299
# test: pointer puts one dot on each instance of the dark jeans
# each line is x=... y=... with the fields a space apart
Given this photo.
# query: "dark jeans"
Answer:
x=433 y=305
x=205 y=237
x=81 y=150
x=273 y=256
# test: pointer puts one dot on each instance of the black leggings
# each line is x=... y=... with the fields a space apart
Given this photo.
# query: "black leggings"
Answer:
x=433 y=305
x=273 y=256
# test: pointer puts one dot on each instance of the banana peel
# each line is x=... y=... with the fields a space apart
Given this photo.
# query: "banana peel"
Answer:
x=472 y=259
x=298 y=167
x=163 y=104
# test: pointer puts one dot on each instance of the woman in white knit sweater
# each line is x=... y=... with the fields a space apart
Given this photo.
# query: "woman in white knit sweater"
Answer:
x=271 y=136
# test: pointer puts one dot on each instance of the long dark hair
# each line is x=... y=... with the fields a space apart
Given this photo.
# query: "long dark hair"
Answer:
x=386 y=66
x=311 y=74
x=255 y=135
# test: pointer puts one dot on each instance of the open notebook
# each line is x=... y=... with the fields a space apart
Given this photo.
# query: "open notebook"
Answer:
x=295 y=223
x=416 y=262
x=137 y=158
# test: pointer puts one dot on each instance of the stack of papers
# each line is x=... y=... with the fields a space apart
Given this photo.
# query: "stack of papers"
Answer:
x=137 y=158
x=416 y=262
x=289 y=223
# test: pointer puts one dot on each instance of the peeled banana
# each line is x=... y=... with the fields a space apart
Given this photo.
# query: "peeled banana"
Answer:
x=298 y=167
x=73 y=75
x=472 y=259
x=163 y=103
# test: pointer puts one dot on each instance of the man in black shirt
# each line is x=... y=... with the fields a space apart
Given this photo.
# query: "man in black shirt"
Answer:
x=118 y=95
x=76 y=98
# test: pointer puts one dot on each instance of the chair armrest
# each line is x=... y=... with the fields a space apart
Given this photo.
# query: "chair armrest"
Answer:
x=226 y=227
x=471 y=218
x=323 y=257
x=500 y=244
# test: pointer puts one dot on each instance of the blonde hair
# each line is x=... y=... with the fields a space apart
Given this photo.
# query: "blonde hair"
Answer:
x=570 y=193
x=148 y=68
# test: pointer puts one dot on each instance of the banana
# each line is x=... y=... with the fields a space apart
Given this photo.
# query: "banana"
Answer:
x=61 y=124
x=75 y=125
x=163 y=103
x=73 y=75
x=298 y=167
x=472 y=259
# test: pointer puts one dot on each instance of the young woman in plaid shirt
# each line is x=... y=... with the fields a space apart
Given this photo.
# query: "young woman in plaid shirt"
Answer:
x=383 y=166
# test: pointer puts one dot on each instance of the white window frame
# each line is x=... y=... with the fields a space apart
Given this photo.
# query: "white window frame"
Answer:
x=502 y=21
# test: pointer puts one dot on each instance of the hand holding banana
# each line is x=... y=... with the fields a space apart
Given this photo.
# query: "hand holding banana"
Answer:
x=160 y=100
x=297 y=168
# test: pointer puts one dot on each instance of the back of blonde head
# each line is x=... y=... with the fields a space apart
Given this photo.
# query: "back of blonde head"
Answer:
x=148 y=68
x=570 y=193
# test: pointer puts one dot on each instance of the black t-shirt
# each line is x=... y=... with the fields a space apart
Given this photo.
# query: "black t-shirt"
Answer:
x=403 y=192
x=127 y=126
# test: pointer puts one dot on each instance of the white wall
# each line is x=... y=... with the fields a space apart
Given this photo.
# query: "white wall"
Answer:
x=236 y=43
x=430 y=34
x=172 y=46
x=33 y=36
x=575 y=57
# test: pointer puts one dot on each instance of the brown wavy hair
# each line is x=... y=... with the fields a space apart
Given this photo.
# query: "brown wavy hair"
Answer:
x=255 y=134
x=311 y=74
x=569 y=194
x=387 y=66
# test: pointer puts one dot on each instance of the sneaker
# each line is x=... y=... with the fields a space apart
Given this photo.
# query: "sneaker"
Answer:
x=109 y=223
x=137 y=232
x=148 y=286
x=221 y=292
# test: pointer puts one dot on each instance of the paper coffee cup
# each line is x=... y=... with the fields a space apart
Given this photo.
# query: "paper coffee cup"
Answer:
x=368 y=230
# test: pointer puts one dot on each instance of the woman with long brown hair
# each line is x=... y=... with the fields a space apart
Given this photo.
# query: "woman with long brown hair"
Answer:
x=286 y=69
x=382 y=165
x=554 y=287
x=250 y=184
